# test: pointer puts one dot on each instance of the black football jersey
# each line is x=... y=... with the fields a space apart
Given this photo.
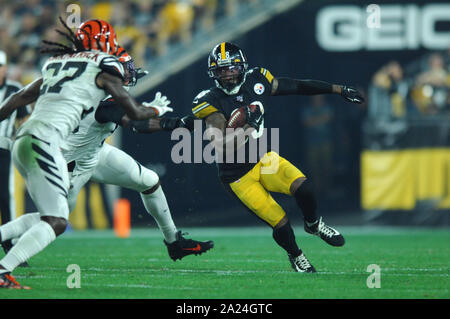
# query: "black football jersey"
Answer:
x=256 y=87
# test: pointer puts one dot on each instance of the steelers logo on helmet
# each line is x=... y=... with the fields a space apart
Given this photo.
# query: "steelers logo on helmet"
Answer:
x=227 y=65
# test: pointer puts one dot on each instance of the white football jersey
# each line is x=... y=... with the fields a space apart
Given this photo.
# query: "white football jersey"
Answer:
x=87 y=139
x=69 y=91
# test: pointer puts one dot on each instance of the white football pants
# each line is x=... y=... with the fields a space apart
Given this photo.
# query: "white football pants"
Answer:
x=113 y=166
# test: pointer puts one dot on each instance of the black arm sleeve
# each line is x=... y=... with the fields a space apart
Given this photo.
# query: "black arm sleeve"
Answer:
x=165 y=124
x=141 y=126
x=288 y=86
x=170 y=123
x=109 y=111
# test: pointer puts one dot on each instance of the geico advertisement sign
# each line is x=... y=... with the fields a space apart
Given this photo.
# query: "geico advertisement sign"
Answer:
x=383 y=27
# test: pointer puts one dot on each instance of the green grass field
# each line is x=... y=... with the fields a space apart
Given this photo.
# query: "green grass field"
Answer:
x=245 y=263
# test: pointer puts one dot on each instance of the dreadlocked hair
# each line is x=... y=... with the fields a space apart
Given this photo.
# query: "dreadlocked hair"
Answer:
x=61 y=49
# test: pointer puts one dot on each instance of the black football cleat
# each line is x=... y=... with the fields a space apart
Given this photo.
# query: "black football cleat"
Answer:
x=301 y=264
x=330 y=235
x=9 y=282
x=24 y=265
x=183 y=247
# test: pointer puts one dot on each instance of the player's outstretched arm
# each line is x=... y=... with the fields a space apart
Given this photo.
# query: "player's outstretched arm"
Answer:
x=23 y=97
x=288 y=86
x=110 y=111
x=163 y=124
x=135 y=111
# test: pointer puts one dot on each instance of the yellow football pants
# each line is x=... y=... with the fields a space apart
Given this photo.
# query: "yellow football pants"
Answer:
x=271 y=174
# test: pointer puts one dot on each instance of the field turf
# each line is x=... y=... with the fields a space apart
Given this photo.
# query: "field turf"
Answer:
x=245 y=264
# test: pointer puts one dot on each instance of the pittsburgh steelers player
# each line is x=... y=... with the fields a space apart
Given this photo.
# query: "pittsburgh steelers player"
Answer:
x=235 y=86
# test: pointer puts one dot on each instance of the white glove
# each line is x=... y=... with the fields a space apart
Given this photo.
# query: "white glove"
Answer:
x=160 y=104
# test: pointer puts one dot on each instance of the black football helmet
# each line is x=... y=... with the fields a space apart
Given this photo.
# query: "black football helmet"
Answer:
x=227 y=65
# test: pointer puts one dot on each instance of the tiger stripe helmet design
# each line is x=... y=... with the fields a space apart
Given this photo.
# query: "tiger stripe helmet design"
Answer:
x=97 y=35
x=128 y=65
x=122 y=54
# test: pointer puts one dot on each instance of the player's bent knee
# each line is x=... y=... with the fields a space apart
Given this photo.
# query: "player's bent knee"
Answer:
x=296 y=184
x=152 y=189
x=148 y=180
x=58 y=224
x=281 y=223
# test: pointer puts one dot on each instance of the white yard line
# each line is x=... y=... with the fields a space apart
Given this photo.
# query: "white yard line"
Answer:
x=391 y=272
x=249 y=232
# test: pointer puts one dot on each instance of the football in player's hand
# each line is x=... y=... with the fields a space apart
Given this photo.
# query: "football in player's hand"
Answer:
x=238 y=118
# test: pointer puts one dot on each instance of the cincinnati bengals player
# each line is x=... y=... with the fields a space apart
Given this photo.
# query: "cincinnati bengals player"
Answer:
x=88 y=157
x=252 y=181
x=75 y=79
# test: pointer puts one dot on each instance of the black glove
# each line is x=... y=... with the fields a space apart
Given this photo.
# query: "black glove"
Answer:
x=253 y=118
x=187 y=122
x=352 y=95
x=171 y=123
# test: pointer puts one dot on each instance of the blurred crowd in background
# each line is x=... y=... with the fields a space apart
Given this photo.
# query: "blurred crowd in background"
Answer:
x=148 y=27
x=397 y=93
x=419 y=89
x=145 y=27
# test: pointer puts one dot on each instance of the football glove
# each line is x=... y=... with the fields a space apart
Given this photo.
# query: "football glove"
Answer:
x=253 y=118
x=169 y=123
x=172 y=123
x=187 y=122
x=160 y=104
x=352 y=95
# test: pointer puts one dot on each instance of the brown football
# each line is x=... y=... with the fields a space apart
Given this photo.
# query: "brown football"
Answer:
x=237 y=117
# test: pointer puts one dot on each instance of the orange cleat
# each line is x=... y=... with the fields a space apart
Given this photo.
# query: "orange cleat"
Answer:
x=8 y=281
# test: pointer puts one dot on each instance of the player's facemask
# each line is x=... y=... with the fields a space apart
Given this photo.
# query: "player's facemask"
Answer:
x=130 y=73
x=230 y=78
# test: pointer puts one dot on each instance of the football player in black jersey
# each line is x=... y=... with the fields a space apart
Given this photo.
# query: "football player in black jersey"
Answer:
x=252 y=182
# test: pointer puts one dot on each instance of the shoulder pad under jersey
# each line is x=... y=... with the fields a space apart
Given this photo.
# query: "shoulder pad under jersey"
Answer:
x=110 y=64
